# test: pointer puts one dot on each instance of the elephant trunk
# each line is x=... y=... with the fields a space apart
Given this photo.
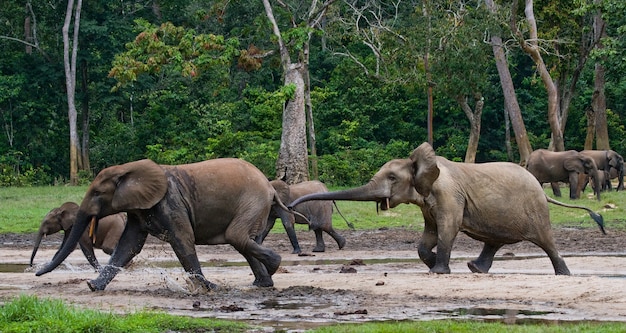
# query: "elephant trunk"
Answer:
x=367 y=192
x=36 y=246
x=69 y=243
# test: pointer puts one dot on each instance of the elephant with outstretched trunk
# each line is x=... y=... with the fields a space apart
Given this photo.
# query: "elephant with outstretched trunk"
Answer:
x=563 y=166
x=221 y=201
x=107 y=235
x=496 y=203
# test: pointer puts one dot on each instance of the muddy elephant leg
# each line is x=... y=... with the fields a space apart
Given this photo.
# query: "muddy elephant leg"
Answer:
x=482 y=264
x=89 y=254
x=341 y=241
x=426 y=245
x=560 y=268
x=263 y=261
x=556 y=189
x=130 y=244
x=288 y=222
x=320 y=246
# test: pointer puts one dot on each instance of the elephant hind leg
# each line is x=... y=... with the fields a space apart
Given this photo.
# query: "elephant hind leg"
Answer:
x=560 y=268
x=482 y=264
x=341 y=241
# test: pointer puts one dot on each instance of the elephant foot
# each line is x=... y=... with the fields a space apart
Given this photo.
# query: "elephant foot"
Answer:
x=95 y=285
x=298 y=251
x=476 y=268
x=208 y=285
x=319 y=249
x=440 y=270
x=107 y=273
x=263 y=282
x=341 y=242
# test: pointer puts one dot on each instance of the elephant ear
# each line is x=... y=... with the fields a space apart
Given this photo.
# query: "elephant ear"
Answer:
x=140 y=185
x=425 y=169
x=574 y=164
x=67 y=214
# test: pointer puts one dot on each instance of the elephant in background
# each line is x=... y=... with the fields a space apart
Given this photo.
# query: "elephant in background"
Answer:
x=609 y=161
x=109 y=230
x=562 y=166
x=220 y=201
x=319 y=214
x=496 y=203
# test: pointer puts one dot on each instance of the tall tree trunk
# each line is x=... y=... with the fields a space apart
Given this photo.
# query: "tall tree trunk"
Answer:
x=598 y=103
x=70 y=82
x=86 y=165
x=292 y=163
x=475 y=122
x=508 y=90
x=531 y=47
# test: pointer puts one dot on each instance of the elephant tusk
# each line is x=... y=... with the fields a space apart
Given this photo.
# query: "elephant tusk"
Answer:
x=92 y=227
x=387 y=199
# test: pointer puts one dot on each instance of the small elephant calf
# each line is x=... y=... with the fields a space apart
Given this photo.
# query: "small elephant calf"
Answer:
x=319 y=214
x=105 y=237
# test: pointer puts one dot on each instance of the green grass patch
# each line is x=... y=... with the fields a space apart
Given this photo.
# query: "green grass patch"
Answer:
x=23 y=208
x=448 y=326
x=31 y=314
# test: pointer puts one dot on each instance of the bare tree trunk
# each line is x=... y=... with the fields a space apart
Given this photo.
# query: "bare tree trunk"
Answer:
x=531 y=47
x=591 y=127
x=508 y=90
x=507 y=136
x=292 y=163
x=598 y=103
x=70 y=82
x=475 y=122
x=86 y=165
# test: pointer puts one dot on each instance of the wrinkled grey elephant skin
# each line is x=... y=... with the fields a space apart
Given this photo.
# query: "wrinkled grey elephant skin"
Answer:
x=104 y=236
x=496 y=203
x=221 y=201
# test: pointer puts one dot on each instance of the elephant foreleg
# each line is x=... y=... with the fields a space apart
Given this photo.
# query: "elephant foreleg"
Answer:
x=185 y=251
x=320 y=246
x=482 y=264
x=129 y=246
x=288 y=222
x=556 y=189
x=90 y=255
x=426 y=245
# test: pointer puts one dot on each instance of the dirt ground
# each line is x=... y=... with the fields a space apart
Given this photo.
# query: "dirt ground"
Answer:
x=377 y=276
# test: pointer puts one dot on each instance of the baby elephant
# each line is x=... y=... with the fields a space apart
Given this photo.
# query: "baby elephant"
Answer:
x=105 y=236
x=319 y=214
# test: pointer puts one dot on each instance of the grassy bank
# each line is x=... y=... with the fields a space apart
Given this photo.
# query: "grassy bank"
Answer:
x=33 y=315
x=22 y=208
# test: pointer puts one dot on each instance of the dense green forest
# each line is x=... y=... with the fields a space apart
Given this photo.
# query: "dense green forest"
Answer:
x=183 y=81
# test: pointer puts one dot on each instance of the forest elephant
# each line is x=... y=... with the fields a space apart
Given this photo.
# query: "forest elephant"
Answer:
x=562 y=166
x=109 y=230
x=318 y=213
x=496 y=203
x=609 y=161
x=220 y=201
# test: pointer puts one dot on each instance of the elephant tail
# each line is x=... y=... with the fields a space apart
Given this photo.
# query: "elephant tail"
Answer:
x=291 y=211
x=350 y=225
x=595 y=216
